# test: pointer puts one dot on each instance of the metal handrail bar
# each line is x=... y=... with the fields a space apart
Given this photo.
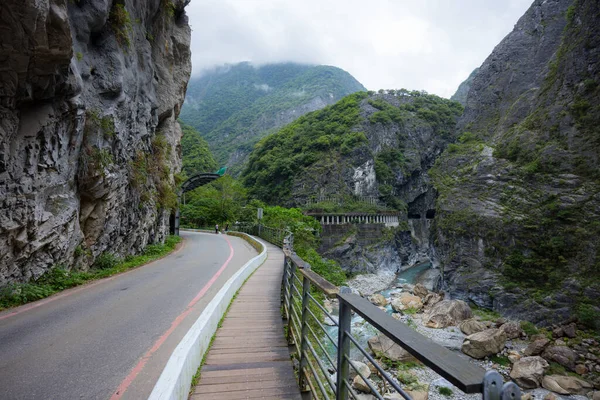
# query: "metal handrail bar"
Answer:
x=374 y=390
x=462 y=374
x=350 y=390
x=323 y=369
x=309 y=382
x=333 y=366
x=322 y=327
x=321 y=387
x=324 y=310
x=376 y=365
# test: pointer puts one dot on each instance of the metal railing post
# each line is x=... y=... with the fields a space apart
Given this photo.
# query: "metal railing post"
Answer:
x=304 y=333
x=290 y=300
x=285 y=286
x=343 y=368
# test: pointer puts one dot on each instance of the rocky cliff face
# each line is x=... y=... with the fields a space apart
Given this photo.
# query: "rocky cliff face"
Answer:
x=89 y=143
x=517 y=217
x=463 y=89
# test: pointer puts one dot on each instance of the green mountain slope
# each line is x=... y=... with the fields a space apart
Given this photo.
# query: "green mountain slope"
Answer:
x=234 y=106
x=366 y=145
x=197 y=157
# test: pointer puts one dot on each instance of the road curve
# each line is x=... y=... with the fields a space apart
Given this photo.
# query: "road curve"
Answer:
x=116 y=334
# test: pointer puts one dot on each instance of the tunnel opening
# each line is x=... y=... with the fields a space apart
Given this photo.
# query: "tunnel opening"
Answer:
x=430 y=214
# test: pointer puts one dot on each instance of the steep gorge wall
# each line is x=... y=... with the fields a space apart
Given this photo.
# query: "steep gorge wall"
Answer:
x=519 y=198
x=89 y=143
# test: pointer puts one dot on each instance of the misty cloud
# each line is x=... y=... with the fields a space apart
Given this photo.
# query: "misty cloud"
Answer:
x=414 y=44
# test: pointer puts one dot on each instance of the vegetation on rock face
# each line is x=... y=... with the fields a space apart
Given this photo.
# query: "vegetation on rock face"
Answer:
x=121 y=24
x=234 y=106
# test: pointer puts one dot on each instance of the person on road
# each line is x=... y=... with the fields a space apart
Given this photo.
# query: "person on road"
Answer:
x=226 y=227
x=216 y=229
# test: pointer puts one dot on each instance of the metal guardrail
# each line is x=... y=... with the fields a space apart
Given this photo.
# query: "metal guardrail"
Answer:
x=323 y=355
x=279 y=237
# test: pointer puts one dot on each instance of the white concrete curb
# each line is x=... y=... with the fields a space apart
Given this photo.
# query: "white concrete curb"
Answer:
x=175 y=381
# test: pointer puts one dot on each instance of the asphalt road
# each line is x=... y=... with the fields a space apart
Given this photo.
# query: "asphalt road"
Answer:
x=116 y=334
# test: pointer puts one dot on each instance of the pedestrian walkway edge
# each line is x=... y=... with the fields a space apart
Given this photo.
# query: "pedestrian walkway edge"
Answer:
x=175 y=380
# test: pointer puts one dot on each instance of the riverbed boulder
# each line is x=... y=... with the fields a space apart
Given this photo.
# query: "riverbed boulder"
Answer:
x=570 y=330
x=382 y=346
x=420 y=290
x=536 y=347
x=484 y=343
x=378 y=299
x=432 y=299
x=471 y=326
x=566 y=384
x=529 y=371
x=362 y=367
x=360 y=384
x=512 y=330
x=447 y=313
x=407 y=301
x=562 y=355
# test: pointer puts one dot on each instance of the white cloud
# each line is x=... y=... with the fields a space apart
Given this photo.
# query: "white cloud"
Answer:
x=415 y=44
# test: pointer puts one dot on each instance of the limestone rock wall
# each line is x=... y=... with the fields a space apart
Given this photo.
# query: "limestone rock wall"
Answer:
x=89 y=142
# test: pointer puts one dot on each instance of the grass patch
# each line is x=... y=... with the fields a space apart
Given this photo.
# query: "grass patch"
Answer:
x=529 y=328
x=58 y=278
x=445 y=391
x=556 y=369
x=485 y=314
x=500 y=360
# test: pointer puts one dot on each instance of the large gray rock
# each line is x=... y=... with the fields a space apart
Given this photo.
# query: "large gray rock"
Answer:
x=512 y=329
x=81 y=104
x=407 y=301
x=471 y=326
x=447 y=313
x=562 y=355
x=536 y=347
x=484 y=343
x=528 y=372
x=382 y=346
x=566 y=384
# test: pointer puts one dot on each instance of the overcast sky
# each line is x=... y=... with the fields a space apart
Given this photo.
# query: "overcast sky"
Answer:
x=391 y=44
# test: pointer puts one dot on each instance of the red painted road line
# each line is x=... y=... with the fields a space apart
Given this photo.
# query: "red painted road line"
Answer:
x=70 y=292
x=142 y=363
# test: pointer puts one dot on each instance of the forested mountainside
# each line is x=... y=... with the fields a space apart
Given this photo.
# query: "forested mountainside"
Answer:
x=197 y=157
x=90 y=92
x=518 y=222
x=368 y=144
x=235 y=106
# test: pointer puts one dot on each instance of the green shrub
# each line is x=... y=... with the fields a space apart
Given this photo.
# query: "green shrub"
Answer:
x=589 y=316
x=106 y=261
x=529 y=328
x=445 y=391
